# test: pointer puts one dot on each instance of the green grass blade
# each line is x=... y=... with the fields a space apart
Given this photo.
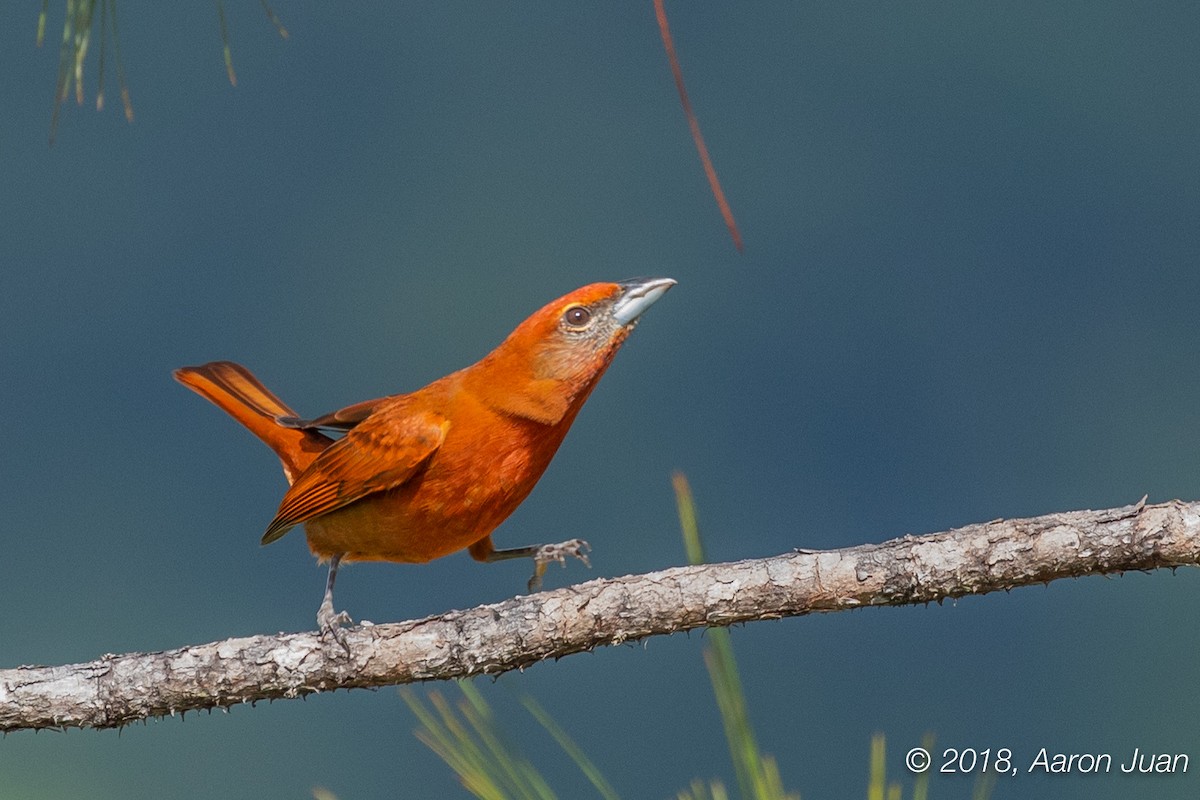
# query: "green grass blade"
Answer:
x=83 y=35
x=514 y=771
x=696 y=791
x=41 y=26
x=687 y=519
x=585 y=764
x=984 y=785
x=225 y=44
x=731 y=702
x=104 y=4
x=921 y=784
x=78 y=23
x=442 y=733
x=876 y=782
x=271 y=15
x=121 y=83
x=757 y=778
x=62 y=84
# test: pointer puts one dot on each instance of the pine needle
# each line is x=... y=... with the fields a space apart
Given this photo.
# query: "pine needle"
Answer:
x=660 y=12
x=225 y=43
x=585 y=764
x=271 y=15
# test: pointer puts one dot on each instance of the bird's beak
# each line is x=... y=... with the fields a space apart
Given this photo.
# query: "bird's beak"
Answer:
x=637 y=295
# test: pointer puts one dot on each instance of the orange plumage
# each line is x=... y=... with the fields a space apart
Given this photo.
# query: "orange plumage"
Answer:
x=418 y=476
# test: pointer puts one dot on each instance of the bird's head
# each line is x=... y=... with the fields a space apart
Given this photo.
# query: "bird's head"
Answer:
x=551 y=362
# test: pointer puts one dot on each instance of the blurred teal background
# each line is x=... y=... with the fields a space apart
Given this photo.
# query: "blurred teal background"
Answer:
x=969 y=291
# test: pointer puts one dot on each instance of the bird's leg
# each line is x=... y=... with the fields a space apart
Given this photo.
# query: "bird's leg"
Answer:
x=329 y=622
x=542 y=555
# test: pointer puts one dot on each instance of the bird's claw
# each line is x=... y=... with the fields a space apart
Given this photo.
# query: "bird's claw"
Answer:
x=575 y=548
x=330 y=623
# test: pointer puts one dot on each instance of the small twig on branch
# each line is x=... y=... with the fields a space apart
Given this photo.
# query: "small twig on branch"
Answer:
x=1003 y=554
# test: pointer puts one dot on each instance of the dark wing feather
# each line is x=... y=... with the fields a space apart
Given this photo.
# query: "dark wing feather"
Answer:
x=343 y=419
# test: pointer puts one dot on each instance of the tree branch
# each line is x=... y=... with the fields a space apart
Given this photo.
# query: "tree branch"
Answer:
x=118 y=689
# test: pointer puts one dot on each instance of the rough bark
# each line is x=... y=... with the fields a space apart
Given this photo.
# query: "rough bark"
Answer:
x=118 y=689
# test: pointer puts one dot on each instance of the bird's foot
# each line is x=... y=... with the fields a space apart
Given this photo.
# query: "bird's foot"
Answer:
x=576 y=548
x=330 y=623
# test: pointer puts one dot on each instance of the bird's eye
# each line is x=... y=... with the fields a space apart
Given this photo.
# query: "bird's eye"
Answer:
x=577 y=316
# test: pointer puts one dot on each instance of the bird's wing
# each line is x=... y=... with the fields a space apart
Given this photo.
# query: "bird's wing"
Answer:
x=381 y=452
x=343 y=419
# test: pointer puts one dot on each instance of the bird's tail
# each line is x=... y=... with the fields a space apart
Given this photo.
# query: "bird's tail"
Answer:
x=235 y=390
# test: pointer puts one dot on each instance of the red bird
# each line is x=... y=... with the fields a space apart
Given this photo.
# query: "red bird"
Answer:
x=418 y=476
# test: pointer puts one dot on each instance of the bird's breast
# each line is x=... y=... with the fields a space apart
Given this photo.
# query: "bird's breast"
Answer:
x=472 y=483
